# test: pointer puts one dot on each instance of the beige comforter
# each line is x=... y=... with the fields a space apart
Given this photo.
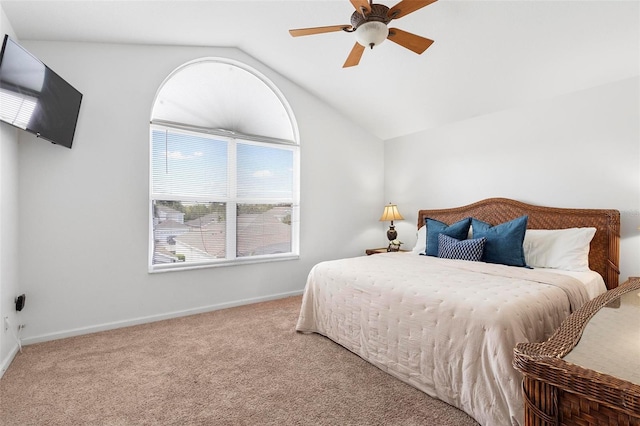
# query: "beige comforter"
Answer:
x=447 y=327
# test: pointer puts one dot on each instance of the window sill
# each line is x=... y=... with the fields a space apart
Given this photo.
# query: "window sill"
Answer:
x=172 y=267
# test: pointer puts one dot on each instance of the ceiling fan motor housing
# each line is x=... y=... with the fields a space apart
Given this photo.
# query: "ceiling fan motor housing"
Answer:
x=379 y=13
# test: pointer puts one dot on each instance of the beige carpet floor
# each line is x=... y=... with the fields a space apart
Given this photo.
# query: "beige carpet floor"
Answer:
x=238 y=366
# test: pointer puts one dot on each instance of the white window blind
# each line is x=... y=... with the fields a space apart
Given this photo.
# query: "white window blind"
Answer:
x=220 y=200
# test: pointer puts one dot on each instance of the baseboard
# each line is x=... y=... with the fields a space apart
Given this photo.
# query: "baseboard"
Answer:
x=152 y=318
x=6 y=362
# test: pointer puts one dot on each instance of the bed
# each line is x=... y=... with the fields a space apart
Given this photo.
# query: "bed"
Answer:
x=449 y=326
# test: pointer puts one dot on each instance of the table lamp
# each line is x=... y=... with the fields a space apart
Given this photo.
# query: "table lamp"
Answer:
x=391 y=213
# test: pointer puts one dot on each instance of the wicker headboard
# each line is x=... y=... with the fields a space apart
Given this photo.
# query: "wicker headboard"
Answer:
x=604 y=254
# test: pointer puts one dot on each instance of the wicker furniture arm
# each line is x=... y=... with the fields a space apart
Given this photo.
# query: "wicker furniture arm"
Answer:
x=604 y=252
x=557 y=392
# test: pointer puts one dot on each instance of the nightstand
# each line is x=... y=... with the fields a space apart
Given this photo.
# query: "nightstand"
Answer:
x=380 y=250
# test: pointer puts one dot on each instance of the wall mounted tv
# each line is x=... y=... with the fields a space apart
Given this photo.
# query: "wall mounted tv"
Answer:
x=34 y=98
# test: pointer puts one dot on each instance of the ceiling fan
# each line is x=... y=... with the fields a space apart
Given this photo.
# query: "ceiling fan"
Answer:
x=369 y=23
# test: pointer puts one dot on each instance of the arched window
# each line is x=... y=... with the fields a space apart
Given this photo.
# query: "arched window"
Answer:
x=224 y=185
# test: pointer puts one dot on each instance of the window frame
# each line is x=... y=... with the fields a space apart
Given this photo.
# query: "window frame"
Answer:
x=231 y=200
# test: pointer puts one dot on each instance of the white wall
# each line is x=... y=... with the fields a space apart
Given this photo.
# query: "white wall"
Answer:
x=9 y=283
x=83 y=225
x=84 y=212
x=578 y=150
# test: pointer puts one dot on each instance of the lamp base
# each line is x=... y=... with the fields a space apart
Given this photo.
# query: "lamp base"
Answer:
x=392 y=234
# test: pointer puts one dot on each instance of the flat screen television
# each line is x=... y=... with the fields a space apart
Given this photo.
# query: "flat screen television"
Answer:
x=34 y=98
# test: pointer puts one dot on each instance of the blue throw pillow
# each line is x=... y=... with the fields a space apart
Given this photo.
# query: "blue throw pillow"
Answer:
x=450 y=248
x=504 y=241
x=458 y=230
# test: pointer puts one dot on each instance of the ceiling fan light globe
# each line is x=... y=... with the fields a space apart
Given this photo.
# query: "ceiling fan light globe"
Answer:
x=371 y=33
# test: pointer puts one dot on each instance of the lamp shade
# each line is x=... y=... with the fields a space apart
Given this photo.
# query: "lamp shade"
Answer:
x=391 y=213
x=371 y=33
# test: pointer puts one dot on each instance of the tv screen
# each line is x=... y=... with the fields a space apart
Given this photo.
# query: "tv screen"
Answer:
x=34 y=98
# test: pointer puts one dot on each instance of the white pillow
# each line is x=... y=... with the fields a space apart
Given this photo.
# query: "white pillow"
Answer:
x=421 y=243
x=566 y=249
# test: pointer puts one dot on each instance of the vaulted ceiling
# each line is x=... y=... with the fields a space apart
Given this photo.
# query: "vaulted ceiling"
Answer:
x=488 y=55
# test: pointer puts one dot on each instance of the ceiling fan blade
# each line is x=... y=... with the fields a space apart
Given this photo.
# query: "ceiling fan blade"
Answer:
x=405 y=7
x=360 y=4
x=318 y=30
x=410 y=41
x=354 y=56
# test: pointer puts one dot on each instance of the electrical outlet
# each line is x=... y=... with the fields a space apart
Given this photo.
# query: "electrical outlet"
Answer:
x=6 y=323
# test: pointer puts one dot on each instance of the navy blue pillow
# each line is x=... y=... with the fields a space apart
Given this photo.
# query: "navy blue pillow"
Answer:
x=451 y=248
x=458 y=230
x=504 y=241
